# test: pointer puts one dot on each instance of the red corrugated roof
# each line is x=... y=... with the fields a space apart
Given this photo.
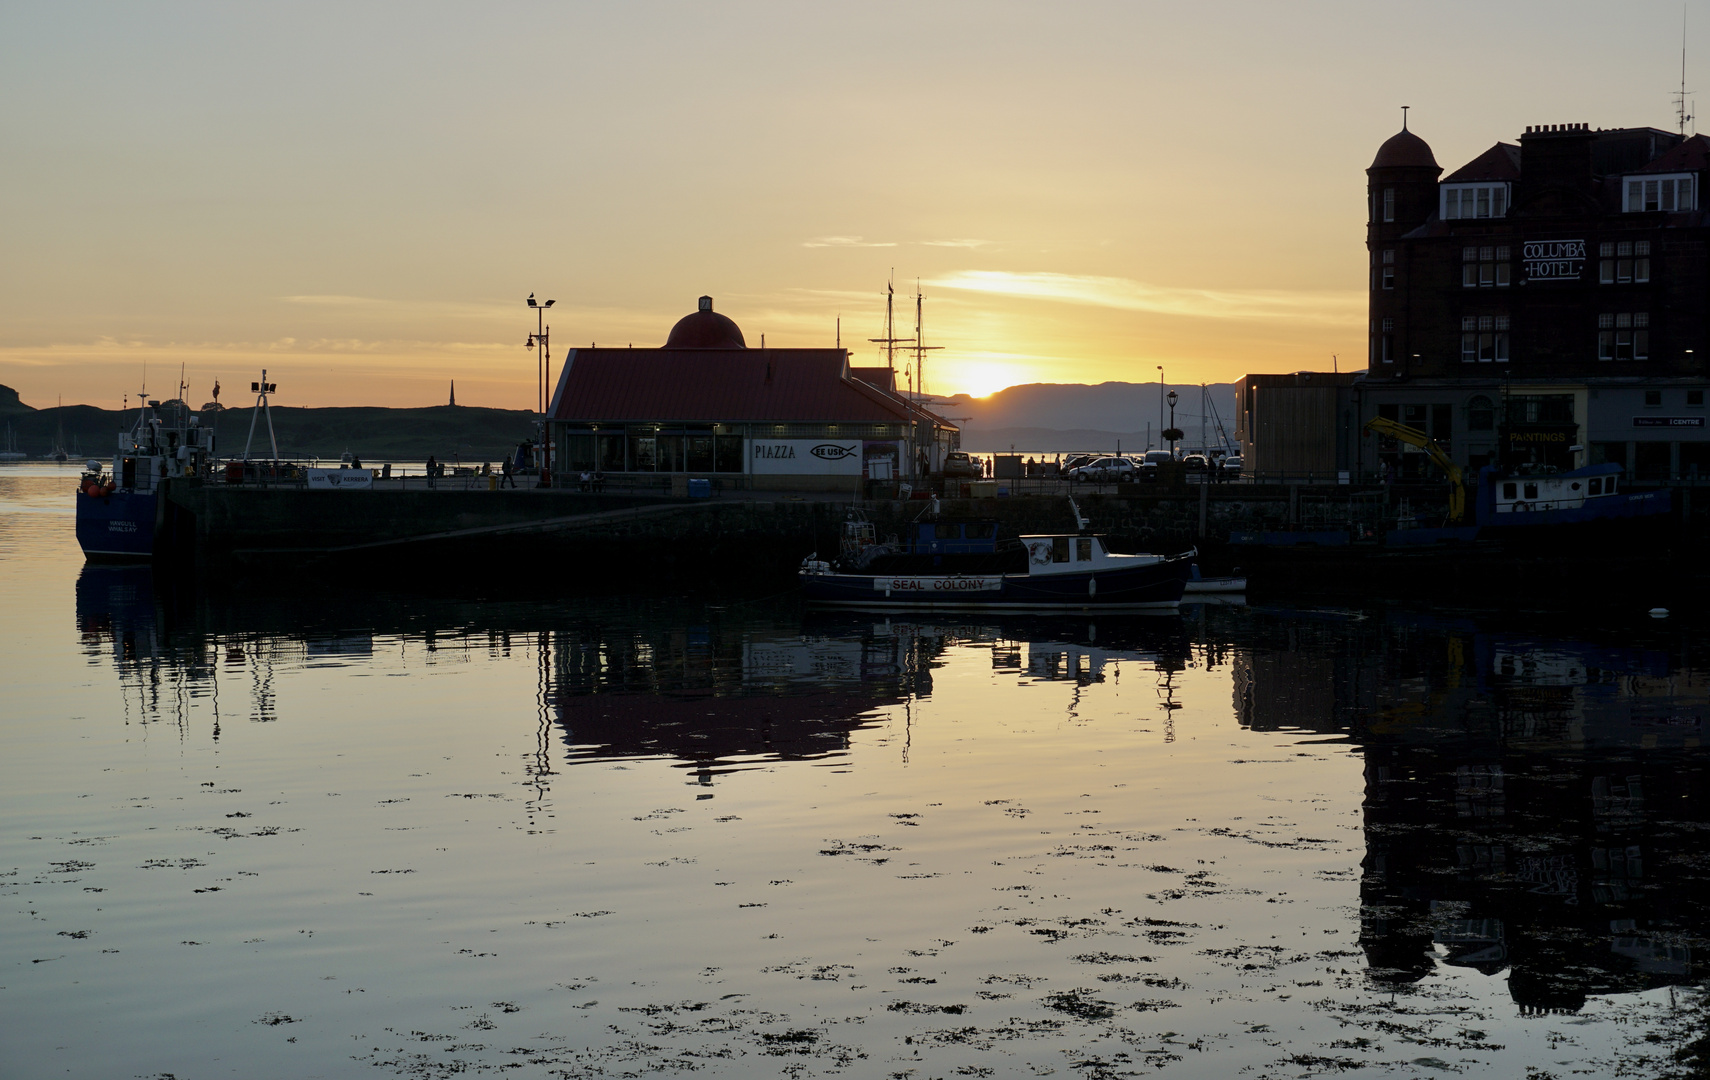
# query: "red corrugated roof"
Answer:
x=718 y=385
x=1500 y=162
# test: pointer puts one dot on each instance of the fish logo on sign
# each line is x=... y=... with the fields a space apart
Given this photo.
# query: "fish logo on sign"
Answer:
x=832 y=452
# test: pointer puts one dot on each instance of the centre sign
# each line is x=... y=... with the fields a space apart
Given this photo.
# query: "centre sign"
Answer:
x=1553 y=260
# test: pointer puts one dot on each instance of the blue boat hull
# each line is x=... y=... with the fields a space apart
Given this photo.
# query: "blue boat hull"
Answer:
x=1155 y=585
x=117 y=528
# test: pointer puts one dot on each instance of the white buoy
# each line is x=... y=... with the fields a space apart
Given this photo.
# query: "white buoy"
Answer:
x=1659 y=613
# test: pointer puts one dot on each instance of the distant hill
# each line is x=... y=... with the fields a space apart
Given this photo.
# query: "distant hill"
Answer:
x=9 y=402
x=1079 y=416
x=449 y=432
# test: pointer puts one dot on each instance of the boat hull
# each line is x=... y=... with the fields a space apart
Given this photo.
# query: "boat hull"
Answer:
x=119 y=527
x=1156 y=585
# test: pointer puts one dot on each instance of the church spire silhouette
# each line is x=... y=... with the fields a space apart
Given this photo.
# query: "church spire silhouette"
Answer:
x=453 y=392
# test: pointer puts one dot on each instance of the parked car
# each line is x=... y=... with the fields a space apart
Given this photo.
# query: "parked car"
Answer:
x=1150 y=461
x=1231 y=466
x=1075 y=461
x=959 y=466
x=1196 y=463
x=1104 y=470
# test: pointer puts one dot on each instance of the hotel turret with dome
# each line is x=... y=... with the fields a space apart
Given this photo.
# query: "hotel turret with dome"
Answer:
x=707 y=405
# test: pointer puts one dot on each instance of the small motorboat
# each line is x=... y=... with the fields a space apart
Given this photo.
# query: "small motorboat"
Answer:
x=971 y=570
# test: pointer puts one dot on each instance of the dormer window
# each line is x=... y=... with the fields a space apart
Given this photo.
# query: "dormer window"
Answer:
x=1676 y=192
x=1485 y=200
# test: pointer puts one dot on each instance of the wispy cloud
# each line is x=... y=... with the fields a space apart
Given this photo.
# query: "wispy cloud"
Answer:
x=845 y=242
x=334 y=301
x=1126 y=294
x=957 y=243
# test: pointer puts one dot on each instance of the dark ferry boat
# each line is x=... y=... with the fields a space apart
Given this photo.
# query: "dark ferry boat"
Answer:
x=963 y=566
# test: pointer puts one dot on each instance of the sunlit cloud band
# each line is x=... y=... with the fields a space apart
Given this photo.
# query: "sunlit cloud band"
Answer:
x=1128 y=295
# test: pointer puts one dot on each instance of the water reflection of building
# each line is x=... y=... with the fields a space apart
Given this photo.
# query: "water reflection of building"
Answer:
x=716 y=697
x=1532 y=806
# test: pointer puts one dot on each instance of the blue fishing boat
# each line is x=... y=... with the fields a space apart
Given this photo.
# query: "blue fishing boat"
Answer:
x=121 y=513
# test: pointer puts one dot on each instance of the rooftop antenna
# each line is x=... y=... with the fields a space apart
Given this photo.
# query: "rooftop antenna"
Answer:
x=1682 y=117
x=1404 y=109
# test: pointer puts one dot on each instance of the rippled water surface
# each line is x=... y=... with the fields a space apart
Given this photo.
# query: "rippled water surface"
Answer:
x=277 y=829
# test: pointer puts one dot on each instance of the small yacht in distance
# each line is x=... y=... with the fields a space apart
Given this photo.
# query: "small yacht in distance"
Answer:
x=962 y=566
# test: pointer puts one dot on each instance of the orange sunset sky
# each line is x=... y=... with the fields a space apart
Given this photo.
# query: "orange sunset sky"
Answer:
x=360 y=195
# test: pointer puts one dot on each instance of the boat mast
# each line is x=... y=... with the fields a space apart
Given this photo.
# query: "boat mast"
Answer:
x=921 y=348
x=890 y=340
x=262 y=389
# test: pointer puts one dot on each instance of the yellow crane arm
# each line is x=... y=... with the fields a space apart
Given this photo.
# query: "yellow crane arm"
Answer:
x=1414 y=437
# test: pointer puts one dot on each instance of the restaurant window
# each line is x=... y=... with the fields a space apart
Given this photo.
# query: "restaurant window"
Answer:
x=698 y=452
x=670 y=452
x=1484 y=339
x=1622 y=261
x=727 y=451
x=643 y=453
x=610 y=450
x=1624 y=336
x=1486 y=266
x=578 y=453
x=1481 y=414
x=1662 y=193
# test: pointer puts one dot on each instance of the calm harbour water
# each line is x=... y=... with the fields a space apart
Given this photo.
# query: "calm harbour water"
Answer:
x=296 y=833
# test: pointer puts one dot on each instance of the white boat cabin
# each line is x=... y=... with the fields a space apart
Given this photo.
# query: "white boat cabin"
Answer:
x=1071 y=554
x=1566 y=491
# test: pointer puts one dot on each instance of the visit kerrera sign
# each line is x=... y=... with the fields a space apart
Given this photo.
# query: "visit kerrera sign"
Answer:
x=1553 y=260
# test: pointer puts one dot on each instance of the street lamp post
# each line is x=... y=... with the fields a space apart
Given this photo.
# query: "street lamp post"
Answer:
x=1160 y=404
x=1172 y=432
x=538 y=341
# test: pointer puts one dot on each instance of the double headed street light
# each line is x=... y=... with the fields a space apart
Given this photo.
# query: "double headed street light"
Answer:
x=538 y=341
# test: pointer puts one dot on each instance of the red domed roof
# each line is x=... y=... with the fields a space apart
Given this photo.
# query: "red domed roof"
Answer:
x=1404 y=150
x=705 y=329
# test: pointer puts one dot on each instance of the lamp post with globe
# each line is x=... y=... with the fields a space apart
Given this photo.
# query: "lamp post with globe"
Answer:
x=538 y=341
x=1172 y=433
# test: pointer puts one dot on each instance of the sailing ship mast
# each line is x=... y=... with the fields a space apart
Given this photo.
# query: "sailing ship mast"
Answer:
x=921 y=348
x=890 y=341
